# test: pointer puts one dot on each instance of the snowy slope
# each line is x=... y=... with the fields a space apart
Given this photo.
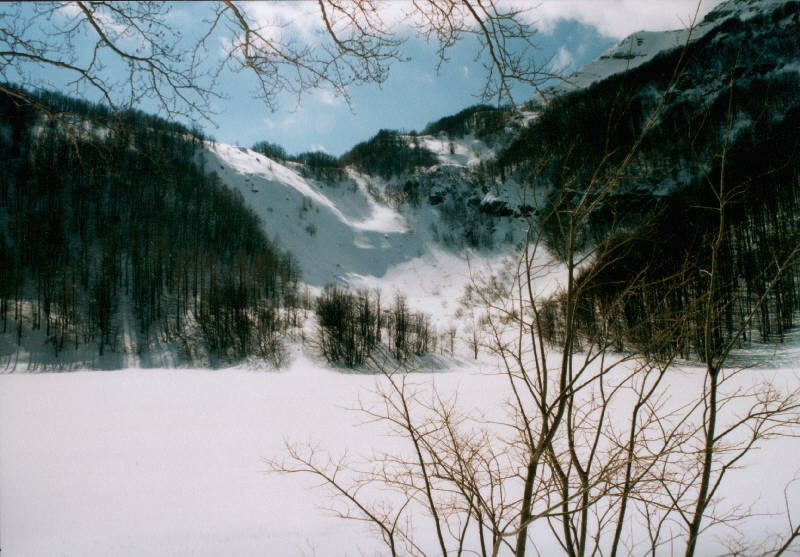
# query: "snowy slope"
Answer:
x=343 y=233
x=465 y=151
x=631 y=52
x=323 y=225
x=643 y=46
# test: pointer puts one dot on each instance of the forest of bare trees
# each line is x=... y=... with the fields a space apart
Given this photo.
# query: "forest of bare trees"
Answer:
x=352 y=325
x=659 y=217
x=124 y=220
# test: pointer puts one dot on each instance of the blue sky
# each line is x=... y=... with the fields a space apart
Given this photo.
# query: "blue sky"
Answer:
x=571 y=32
x=413 y=95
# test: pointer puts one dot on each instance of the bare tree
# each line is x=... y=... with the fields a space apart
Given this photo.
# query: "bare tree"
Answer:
x=600 y=451
x=597 y=453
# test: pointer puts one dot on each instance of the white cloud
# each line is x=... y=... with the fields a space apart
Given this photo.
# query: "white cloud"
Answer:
x=277 y=19
x=303 y=19
x=562 y=60
x=327 y=97
x=69 y=9
x=317 y=147
x=613 y=18
x=616 y=18
x=104 y=19
x=284 y=123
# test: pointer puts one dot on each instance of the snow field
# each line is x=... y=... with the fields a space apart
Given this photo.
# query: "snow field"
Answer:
x=169 y=462
x=172 y=462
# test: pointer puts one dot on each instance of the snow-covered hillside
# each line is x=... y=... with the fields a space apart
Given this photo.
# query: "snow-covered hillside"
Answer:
x=344 y=232
x=631 y=52
x=330 y=228
x=642 y=46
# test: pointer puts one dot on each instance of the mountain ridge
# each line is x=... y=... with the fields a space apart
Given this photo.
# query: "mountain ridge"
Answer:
x=462 y=195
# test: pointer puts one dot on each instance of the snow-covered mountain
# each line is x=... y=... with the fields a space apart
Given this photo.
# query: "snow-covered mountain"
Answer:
x=411 y=213
x=348 y=232
x=354 y=232
x=642 y=46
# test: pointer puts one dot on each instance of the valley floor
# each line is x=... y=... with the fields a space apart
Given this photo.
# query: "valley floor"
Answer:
x=171 y=462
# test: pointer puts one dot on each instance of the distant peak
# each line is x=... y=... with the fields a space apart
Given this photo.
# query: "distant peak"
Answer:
x=641 y=46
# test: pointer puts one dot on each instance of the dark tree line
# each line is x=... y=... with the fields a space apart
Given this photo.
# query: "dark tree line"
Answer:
x=483 y=120
x=315 y=164
x=657 y=273
x=654 y=223
x=582 y=134
x=389 y=154
x=321 y=166
x=271 y=150
x=117 y=218
x=351 y=326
